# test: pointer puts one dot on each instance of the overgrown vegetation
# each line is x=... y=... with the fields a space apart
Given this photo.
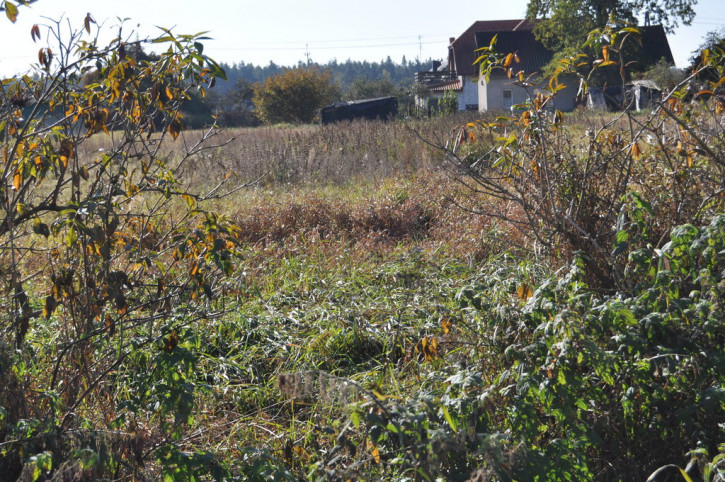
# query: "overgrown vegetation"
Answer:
x=552 y=310
x=294 y=96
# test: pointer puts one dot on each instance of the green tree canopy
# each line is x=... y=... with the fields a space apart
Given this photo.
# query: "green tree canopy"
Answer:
x=294 y=96
x=564 y=24
x=712 y=46
x=363 y=88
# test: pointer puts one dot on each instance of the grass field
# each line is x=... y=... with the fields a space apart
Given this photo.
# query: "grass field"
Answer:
x=377 y=328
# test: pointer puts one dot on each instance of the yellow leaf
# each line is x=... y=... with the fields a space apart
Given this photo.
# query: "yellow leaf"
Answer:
x=49 y=308
x=429 y=348
x=636 y=152
x=17 y=180
x=376 y=454
x=607 y=62
x=190 y=201
x=446 y=325
x=524 y=291
x=508 y=60
x=605 y=53
x=11 y=11
x=175 y=127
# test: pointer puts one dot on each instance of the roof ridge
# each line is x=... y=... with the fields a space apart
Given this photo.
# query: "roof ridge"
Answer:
x=519 y=24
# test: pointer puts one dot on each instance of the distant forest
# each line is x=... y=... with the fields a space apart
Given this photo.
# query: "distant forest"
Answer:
x=231 y=100
x=345 y=73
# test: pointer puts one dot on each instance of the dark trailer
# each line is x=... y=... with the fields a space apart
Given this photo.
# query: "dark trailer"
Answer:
x=379 y=108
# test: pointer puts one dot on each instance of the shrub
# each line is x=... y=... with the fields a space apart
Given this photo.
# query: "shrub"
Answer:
x=571 y=187
x=294 y=96
x=100 y=282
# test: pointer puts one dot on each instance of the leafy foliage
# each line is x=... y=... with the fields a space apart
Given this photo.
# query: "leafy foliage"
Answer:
x=116 y=270
x=666 y=76
x=449 y=103
x=572 y=190
x=362 y=88
x=564 y=24
x=294 y=96
x=713 y=47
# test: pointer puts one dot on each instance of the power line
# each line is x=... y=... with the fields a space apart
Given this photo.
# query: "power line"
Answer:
x=369 y=39
x=722 y=24
x=313 y=47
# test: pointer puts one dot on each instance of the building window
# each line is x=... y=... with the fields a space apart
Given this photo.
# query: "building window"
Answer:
x=508 y=99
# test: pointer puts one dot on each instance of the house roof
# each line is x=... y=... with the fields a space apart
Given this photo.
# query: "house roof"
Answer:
x=461 y=51
x=655 y=45
x=531 y=53
x=646 y=83
x=517 y=36
x=452 y=85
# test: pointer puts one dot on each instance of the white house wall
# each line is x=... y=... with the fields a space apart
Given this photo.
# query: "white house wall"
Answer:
x=469 y=95
x=491 y=93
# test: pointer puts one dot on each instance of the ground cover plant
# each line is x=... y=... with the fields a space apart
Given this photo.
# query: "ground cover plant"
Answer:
x=329 y=303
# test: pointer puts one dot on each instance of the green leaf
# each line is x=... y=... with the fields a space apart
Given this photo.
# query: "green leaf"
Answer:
x=11 y=11
x=190 y=201
x=657 y=472
x=355 y=417
x=449 y=419
x=71 y=237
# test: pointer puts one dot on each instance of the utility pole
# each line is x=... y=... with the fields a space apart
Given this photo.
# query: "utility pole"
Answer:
x=420 y=49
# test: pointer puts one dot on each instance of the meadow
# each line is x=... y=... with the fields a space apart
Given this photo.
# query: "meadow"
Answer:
x=387 y=318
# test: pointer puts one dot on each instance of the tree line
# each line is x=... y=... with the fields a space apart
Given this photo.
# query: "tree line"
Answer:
x=232 y=100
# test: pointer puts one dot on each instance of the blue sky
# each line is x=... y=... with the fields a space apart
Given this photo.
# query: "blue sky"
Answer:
x=286 y=31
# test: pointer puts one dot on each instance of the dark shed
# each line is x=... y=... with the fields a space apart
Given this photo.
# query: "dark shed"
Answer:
x=379 y=108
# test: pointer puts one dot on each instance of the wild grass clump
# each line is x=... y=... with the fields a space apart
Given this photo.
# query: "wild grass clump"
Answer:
x=319 y=155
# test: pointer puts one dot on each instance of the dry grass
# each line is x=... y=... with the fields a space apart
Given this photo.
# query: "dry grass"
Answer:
x=316 y=154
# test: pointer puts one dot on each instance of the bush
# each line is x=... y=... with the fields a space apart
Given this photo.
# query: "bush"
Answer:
x=100 y=282
x=294 y=96
x=566 y=189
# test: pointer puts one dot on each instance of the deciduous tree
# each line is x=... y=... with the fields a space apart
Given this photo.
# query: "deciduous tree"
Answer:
x=295 y=96
x=713 y=45
x=363 y=88
x=564 y=24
